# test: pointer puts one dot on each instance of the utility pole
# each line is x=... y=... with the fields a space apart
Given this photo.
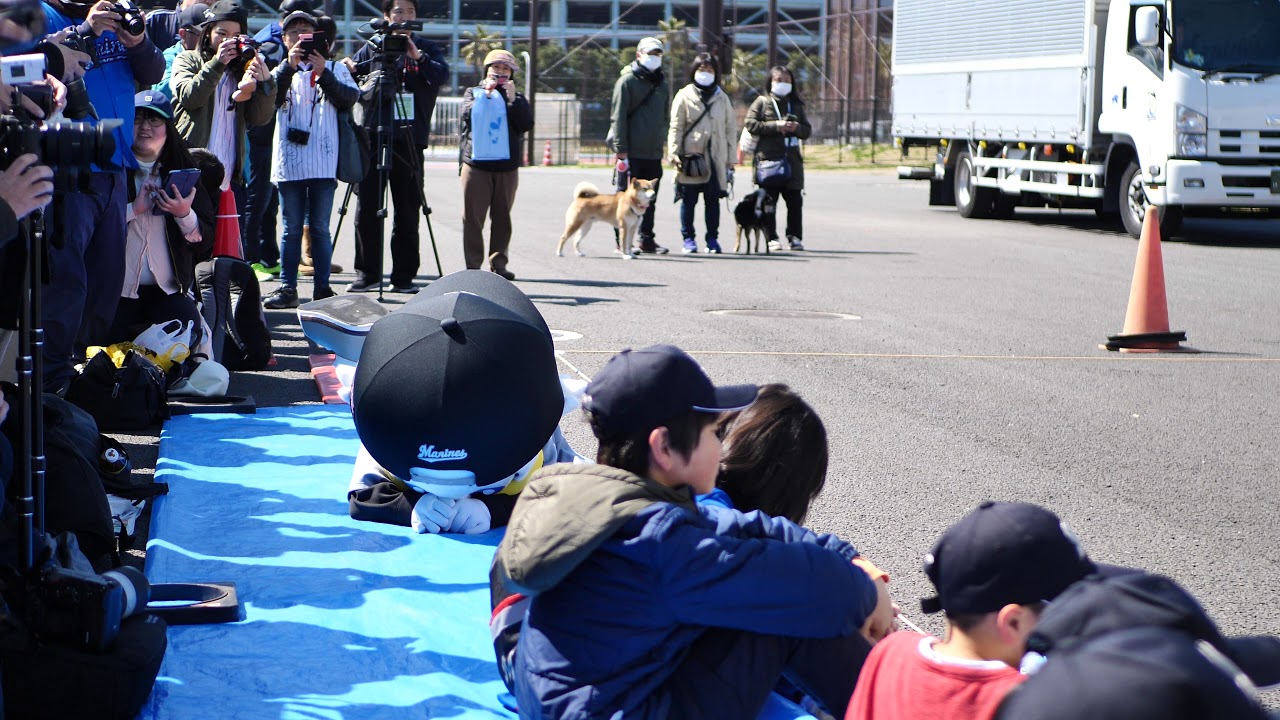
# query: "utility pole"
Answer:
x=773 y=33
x=711 y=27
x=533 y=77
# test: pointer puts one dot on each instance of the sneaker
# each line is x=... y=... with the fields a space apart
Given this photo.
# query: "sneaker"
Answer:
x=503 y=273
x=322 y=293
x=272 y=270
x=282 y=299
x=690 y=247
x=775 y=246
x=407 y=289
x=362 y=285
x=795 y=242
x=713 y=247
x=260 y=272
x=651 y=248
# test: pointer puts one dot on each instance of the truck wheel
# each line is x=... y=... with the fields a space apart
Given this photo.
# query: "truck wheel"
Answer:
x=1133 y=206
x=972 y=201
x=1004 y=205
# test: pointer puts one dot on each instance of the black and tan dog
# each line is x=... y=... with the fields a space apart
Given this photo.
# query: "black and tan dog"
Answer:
x=755 y=215
x=623 y=211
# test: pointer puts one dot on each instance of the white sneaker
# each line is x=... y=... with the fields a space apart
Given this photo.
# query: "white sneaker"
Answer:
x=775 y=246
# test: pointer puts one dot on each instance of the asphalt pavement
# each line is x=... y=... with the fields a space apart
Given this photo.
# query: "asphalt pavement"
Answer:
x=952 y=361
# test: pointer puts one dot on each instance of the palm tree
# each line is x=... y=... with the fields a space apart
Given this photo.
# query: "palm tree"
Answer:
x=674 y=34
x=481 y=41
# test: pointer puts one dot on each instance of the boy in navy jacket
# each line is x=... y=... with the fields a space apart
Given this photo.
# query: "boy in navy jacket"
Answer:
x=645 y=605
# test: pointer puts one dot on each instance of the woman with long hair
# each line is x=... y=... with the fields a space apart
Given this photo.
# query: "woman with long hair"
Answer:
x=169 y=230
x=700 y=146
x=778 y=121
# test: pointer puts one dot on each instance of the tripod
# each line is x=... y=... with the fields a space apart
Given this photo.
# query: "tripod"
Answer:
x=384 y=146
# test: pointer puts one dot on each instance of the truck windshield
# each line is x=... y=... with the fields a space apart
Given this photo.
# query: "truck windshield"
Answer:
x=1227 y=35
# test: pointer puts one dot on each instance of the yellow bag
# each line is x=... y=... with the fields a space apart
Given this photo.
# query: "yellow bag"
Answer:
x=117 y=352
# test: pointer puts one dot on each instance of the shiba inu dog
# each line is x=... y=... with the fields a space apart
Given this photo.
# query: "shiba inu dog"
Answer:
x=755 y=215
x=622 y=210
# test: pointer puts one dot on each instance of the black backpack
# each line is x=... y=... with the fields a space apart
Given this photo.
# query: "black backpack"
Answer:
x=232 y=307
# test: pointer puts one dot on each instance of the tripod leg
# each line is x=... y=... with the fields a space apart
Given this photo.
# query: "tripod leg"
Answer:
x=342 y=212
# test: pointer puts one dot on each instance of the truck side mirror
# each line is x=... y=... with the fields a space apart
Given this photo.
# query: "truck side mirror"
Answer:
x=1146 y=26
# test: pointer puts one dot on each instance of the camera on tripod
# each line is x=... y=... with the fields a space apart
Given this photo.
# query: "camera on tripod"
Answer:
x=81 y=609
x=389 y=43
x=69 y=148
x=131 y=18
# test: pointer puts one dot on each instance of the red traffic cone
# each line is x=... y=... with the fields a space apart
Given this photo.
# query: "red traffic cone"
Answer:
x=1146 y=323
x=226 y=234
x=546 y=154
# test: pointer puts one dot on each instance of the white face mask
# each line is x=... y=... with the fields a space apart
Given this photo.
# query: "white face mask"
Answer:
x=651 y=62
x=704 y=78
x=781 y=89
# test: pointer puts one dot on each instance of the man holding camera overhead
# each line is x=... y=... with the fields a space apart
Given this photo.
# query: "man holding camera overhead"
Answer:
x=400 y=75
x=86 y=257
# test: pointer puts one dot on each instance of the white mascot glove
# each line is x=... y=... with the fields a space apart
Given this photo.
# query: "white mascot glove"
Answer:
x=470 y=517
x=431 y=514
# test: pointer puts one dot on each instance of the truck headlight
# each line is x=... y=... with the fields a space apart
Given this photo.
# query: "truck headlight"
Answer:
x=1193 y=144
x=1190 y=121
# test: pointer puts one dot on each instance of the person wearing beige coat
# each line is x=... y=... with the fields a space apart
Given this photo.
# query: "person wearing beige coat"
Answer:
x=702 y=124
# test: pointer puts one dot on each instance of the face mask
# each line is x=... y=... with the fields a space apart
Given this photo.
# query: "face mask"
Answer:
x=781 y=89
x=651 y=62
x=705 y=79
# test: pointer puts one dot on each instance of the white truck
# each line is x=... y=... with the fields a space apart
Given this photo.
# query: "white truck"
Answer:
x=1106 y=104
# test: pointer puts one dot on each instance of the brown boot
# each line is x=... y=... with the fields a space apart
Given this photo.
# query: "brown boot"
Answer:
x=306 y=266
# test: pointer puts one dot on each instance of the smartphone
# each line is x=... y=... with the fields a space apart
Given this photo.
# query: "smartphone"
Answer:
x=184 y=179
x=313 y=42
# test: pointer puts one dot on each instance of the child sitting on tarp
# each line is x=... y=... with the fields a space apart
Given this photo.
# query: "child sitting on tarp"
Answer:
x=456 y=401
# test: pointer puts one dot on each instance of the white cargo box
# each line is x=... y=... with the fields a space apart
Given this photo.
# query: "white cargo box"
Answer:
x=1012 y=70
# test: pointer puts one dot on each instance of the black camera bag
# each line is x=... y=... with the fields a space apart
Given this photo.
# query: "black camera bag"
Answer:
x=130 y=397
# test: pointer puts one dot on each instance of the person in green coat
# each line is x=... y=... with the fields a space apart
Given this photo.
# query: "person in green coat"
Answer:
x=638 y=119
x=779 y=123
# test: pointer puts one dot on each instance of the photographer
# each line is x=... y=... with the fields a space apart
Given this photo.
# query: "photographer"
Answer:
x=188 y=20
x=490 y=160
x=311 y=92
x=401 y=87
x=222 y=87
x=86 y=261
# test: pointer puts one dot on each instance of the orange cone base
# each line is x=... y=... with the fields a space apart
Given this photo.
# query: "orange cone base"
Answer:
x=1148 y=343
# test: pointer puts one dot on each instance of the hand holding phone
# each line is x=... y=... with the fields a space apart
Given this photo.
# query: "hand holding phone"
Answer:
x=177 y=193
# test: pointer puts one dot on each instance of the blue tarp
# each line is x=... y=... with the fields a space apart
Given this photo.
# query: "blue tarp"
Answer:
x=342 y=619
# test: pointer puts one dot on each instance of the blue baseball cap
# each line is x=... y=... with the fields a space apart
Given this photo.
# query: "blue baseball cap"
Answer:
x=1003 y=553
x=154 y=101
x=641 y=389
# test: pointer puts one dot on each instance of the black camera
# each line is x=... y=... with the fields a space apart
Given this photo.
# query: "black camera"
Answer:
x=68 y=148
x=247 y=47
x=297 y=136
x=79 y=608
x=131 y=18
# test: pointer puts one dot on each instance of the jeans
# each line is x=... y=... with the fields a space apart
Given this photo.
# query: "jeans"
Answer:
x=404 y=175
x=689 y=201
x=262 y=202
x=307 y=202
x=86 y=273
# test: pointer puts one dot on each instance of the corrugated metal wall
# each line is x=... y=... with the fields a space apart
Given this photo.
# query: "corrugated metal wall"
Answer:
x=942 y=30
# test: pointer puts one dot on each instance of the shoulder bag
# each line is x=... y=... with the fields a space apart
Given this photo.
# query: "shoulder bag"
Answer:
x=774 y=174
x=695 y=165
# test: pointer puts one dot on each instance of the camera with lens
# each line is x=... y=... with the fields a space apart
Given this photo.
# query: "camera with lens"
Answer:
x=247 y=47
x=297 y=136
x=131 y=18
x=69 y=148
x=390 y=44
x=81 y=609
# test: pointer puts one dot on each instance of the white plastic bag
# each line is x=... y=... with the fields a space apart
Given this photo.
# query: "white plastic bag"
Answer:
x=209 y=379
x=168 y=339
x=747 y=142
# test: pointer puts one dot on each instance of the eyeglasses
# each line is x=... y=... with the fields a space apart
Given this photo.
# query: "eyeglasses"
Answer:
x=148 y=120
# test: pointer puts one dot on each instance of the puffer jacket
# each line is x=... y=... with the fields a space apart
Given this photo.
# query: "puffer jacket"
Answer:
x=639 y=113
x=714 y=135
x=764 y=122
x=195 y=83
x=1135 y=646
x=625 y=574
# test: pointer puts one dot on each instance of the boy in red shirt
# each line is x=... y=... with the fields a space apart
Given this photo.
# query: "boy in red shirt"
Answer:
x=994 y=570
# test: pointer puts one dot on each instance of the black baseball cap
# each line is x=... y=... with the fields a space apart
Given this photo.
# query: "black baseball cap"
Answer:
x=192 y=16
x=641 y=389
x=455 y=381
x=1003 y=553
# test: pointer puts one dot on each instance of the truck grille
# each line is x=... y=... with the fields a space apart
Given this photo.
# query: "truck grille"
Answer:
x=1245 y=144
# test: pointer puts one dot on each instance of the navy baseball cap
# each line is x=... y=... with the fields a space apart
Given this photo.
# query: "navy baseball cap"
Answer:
x=154 y=101
x=1003 y=553
x=641 y=389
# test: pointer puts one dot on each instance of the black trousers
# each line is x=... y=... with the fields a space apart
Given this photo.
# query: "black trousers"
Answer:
x=405 y=176
x=645 y=170
x=795 y=212
x=152 y=306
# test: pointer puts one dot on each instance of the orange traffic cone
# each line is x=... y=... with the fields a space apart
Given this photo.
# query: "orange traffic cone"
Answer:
x=226 y=231
x=1146 y=324
x=546 y=154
